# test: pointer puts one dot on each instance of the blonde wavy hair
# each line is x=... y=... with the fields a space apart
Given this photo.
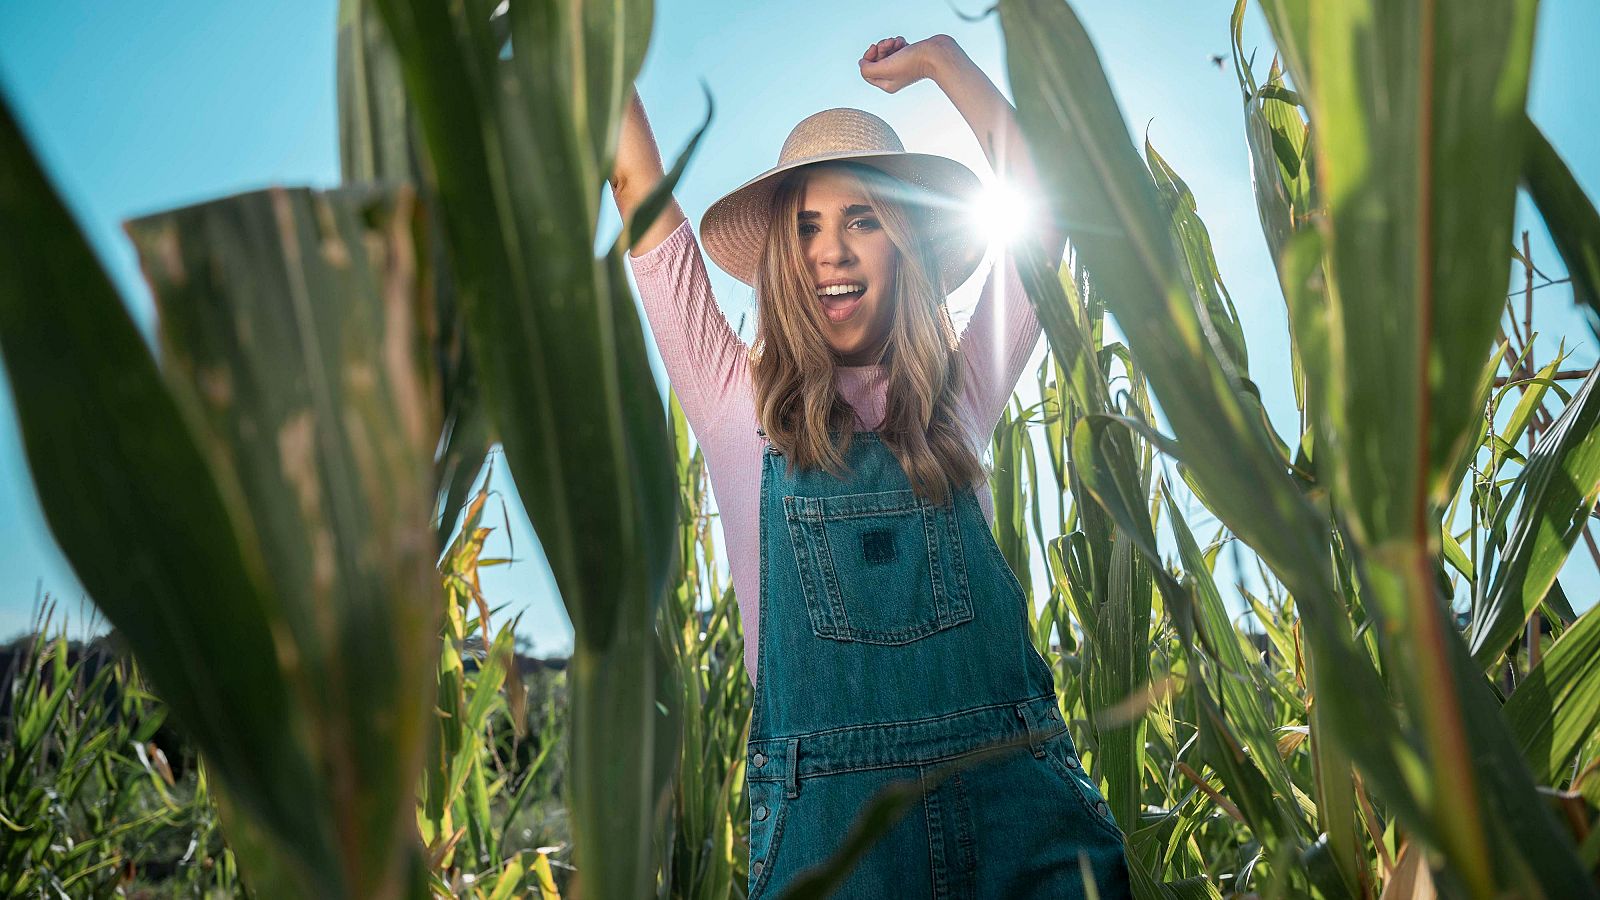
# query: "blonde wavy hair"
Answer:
x=792 y=367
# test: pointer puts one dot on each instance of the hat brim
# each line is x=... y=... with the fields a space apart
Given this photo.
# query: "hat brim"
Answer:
x=734 y=228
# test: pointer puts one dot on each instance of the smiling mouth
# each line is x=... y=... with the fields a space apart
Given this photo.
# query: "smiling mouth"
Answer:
x=840 y=306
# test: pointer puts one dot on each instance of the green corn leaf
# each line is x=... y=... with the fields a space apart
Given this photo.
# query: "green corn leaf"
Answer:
x=294 y=330
x=1120 y=669
x=505 y=887
x=1057 y=301
x=379 y=141
x=376 y=125
x=1123 y=237
x=1557 y=706
x=1570 y=214
x=1455 y=555
x=1519 y=818
x=1065 y=103
x=108 y=450
x=1290 y=21
x=1075 y=574
x=138 y=477
x=1237 y=684
x=1403 y=163
x=1282 y=641
x=1035 y=492
x=1336 y=814
x=1479 y=428
x=1006 y=488
x=1271 y=820
x=1558 y=607
x=1218 y=317
x=1407 y=165
x=1558 y=489
x=521 y=147
x=1286 y=198
x=1241 y=63
x=1532 y=399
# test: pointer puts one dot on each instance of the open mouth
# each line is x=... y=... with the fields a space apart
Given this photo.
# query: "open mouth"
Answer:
x=839 y=302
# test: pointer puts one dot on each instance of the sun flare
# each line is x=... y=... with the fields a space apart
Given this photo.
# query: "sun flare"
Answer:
x=1001 y=213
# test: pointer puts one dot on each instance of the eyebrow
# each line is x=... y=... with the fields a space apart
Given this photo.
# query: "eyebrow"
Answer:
x=850 y=210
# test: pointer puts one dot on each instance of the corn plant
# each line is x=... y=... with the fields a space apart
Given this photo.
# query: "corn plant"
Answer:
x=82 y=785
x=517 y=109
x=248 y=514
x=313 y=353
x=704 y=838
x=259 y=530
x=459 y=785
x=1350 y=524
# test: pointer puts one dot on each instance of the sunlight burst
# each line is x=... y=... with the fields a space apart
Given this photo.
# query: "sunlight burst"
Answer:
x=1001 y=213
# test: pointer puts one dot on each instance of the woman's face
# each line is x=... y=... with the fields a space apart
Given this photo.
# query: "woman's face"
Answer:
x=846 y=249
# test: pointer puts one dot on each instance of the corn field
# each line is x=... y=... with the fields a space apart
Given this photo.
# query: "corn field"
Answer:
x=281 y=508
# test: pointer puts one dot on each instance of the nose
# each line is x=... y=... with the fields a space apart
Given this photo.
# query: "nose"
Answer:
x=830 y=248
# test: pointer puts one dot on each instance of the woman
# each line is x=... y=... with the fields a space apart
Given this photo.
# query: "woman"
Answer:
x=885 y=633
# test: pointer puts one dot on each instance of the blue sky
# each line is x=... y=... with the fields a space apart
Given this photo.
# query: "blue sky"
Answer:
x=142 y=107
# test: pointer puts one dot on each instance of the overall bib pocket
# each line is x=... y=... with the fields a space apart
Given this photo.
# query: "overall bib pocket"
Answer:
x=879 y=568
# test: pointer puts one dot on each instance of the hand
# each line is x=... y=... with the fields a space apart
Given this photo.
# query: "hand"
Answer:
x=891 y=63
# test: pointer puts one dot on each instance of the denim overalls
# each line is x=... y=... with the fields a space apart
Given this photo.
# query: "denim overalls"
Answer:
x=893 y=638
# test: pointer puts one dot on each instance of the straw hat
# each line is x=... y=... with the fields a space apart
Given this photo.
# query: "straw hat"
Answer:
x=734 y=228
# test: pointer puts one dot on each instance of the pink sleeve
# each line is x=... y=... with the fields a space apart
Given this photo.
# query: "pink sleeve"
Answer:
x=704 y=359
x=996 y=345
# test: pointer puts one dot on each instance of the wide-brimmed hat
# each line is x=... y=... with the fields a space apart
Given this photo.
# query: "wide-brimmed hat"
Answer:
x=734 y=228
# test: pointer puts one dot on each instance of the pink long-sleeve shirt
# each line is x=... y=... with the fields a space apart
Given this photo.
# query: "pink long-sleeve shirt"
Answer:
x=706 y=364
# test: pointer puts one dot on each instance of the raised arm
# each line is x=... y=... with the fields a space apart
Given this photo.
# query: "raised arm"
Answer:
x=637 y=170
x=703 y=357
x=891 y=64
x=1003 y=329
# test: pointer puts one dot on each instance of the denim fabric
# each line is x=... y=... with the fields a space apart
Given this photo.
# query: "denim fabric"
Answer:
x=894 y=639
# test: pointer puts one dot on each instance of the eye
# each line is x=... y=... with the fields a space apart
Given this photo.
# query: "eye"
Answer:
x=867 y=222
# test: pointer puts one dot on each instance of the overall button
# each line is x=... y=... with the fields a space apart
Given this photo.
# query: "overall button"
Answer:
x=1101 y=808
x=760 y=759
x=761 y=813
x=1072 y=761
x=756 y=867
